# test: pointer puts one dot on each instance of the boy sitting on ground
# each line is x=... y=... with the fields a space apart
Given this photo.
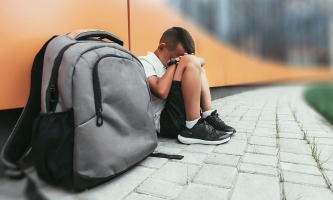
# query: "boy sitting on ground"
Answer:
x=180 y=90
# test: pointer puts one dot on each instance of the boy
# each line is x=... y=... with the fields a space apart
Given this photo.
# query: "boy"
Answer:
x=180 y=89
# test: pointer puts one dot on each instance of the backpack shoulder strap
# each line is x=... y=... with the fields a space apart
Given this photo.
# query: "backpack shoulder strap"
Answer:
x=20 y=138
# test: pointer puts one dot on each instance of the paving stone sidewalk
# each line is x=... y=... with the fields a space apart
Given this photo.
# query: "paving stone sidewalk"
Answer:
x=282 y=150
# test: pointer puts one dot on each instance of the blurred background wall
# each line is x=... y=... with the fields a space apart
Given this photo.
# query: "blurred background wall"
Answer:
x=292 y=31
x=243 y=41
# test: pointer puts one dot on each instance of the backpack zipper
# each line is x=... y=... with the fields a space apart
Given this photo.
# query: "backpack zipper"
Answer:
x=97 y=89
x=52 y=91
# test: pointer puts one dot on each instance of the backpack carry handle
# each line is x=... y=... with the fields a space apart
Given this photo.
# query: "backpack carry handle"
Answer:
x=87 y=33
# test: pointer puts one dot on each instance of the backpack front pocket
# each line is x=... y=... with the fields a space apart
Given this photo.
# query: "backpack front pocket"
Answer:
x=52 y=147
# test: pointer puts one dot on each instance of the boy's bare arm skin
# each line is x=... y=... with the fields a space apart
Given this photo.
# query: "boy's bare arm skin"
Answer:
x=160 y=87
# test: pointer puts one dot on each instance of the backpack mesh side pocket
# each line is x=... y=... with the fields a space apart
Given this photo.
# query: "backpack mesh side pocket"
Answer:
x=52 y=147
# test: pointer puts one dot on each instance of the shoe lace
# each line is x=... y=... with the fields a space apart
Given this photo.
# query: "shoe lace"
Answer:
x=212 y=131
x=216 y=116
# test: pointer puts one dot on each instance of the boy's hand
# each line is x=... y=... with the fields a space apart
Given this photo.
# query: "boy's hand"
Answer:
x=177 y=58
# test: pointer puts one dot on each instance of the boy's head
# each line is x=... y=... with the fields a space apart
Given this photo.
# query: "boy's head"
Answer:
x=175 y=42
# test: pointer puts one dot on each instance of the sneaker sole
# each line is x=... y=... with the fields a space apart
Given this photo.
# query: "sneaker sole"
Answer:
x=198 y=141
x=230 y=133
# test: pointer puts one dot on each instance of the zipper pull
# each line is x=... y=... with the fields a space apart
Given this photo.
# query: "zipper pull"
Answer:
x=52 y=97
x=52 y=94
x=99 y=121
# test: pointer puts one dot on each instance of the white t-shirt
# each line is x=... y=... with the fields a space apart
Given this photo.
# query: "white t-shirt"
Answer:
x=154 y=67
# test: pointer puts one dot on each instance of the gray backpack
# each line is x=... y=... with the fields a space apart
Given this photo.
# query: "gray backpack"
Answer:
x=88 y=117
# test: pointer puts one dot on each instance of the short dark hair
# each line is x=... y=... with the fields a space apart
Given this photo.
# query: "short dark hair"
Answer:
x=177 y=35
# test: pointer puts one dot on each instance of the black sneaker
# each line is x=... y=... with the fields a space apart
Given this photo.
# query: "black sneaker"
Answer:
x=202 y=133
x=214 y=120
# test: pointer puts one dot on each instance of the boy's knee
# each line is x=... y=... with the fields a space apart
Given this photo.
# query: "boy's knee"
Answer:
x=203 y=72
x=193 y=66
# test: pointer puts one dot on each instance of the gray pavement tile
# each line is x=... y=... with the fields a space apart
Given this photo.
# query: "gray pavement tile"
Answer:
x=260 y=159
x=328 y=128
x=284 y=111
x=265 y=132
x=299 y=168
x=298 y=136
x=254 y=111
x=241 y=109
x=258 y=169
x=264 y=141
x=267 y=126
x=231 y=119
x=180 y=173
x=236 y=114
x=292 y=129
x=232 y=124
x=245 y=125
x=295 y=131
x=319 y=134
x=235 y=147
x=119 y=187
x=248 y=186
x=153 y=162
x=285 y=118
x=309 y=120
x=328 y=165
x=136 y=196
x=199 y=192
x=307 y=126
x=161 y=189
x=269 y=114
x=251 y=118
x=227 y=111
x=297 y=158
x=325 y=152
x=216 y=175
x=200 y=148
x=267 y=117
x=7 y=191
x=260 y=121
x=251 y=115
x=167 y=150
x=244 y=131
x=222 y=115
x=223 y=159
x=314 y=129
x=328 y=141
x=258 y=149
x=174 y=143
x=294 y=146
x=50 y=192
x=307 y=179
x=292 y=123
x=192 y=158
x=240 y=136
x=304 y=192
x=329 y=175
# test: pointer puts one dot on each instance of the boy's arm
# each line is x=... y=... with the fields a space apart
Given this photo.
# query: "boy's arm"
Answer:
x=160 y=87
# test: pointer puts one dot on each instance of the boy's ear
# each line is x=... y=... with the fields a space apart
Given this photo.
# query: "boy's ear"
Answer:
x=161 y=46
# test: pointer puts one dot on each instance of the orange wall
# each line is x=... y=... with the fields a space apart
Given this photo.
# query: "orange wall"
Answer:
x=26 y=25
